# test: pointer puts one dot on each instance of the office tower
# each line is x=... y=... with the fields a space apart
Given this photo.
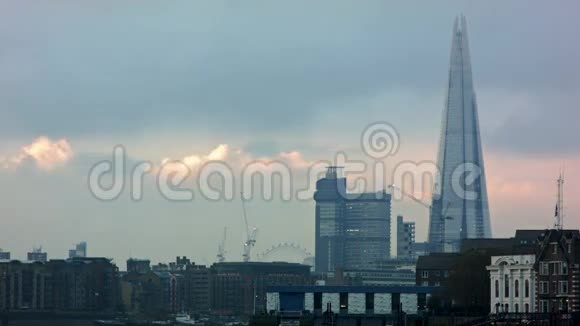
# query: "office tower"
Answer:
x=367 y=230
x=460 y=208
x=405 y=239
x=80 y=251
x=352 y=230
x=330 y=197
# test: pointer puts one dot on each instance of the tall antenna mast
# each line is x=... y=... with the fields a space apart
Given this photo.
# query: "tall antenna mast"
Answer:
x=560 y=204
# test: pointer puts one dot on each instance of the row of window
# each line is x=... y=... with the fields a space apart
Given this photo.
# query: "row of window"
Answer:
x=553 y=268
x=560 y=305
x=560 y=287
x=425 y=274
x=506 y=290
x=506 y=308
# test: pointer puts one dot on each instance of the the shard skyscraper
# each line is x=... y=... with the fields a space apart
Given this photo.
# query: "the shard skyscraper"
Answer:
x=459 y=209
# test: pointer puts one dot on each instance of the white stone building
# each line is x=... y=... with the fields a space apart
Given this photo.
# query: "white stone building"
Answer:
x=512 y=283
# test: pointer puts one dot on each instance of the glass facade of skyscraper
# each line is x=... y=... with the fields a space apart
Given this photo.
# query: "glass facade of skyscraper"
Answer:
x=460 y=206
x=352 y=230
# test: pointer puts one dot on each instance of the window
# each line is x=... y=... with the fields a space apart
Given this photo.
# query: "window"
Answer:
x=507 y=287
x=506 y=308
x=517 y=288
x=425 y=274
x=437 y=273
x=564 y=268
x=527 y=288
x=555 y=287
x=563 y=287
x=555 y=248
x=544 y=287
x=517 y=308
x=527 y=307
x=496 y=288
x=446 y=273
x=556 y=268
x=437 y=283
x=544 y=269
x=544 y=306
x=425 y=283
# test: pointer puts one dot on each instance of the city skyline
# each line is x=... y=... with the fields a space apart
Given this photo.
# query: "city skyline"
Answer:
x=237 y=92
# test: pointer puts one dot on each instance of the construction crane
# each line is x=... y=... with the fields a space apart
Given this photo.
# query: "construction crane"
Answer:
x=419 y=201
x=221 y=256
x=250 y=234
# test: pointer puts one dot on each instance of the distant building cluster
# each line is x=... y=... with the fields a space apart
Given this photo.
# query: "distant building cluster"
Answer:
x=4 y=255
x=84 y=284
x=226 y=288
x=79 y=251
x=37 y=255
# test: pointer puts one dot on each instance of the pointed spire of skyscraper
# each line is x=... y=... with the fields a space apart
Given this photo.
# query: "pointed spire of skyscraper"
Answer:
x=460 y=208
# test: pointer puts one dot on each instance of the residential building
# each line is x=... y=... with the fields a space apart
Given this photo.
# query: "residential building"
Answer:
x=85 y=284
x=25 y=286
x=434 y=269
x=141 y=266
x=459 y=212
x=512 y=280
x=80 y=284
x=405 y=239
x=558 y=271
x=197 y=282
x=142 y=294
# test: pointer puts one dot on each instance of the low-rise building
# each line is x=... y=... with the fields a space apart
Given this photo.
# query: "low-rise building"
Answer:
x=80 y=285
x=239 y=288
x=141 y=266
x=558 y=271
x=434 y=269
x=512 y=280
x=25 y=286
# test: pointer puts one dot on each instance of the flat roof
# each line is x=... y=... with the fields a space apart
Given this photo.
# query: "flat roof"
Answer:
x=351 y=289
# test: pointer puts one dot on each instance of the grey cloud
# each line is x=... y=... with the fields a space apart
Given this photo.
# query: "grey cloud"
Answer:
x=109 y=67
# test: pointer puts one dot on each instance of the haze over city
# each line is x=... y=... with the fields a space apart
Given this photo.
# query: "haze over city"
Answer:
x=291 y=82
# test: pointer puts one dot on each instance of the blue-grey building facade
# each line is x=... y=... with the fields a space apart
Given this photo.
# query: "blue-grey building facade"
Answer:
x=460 y=205
x=353 y=231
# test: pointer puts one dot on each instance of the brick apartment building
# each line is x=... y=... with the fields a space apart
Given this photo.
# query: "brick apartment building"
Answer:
x=558 y=271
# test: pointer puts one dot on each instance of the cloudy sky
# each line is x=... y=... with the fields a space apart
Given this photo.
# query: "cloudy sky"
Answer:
x=293 y=81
